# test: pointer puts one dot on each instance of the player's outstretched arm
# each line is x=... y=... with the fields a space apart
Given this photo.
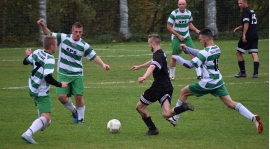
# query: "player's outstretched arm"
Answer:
x=45 y=30
x=148 y=72
x=144 y=65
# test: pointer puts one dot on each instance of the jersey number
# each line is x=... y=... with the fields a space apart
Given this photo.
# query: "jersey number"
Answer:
x=254 y=19
x=216 y=64
x=38 y=65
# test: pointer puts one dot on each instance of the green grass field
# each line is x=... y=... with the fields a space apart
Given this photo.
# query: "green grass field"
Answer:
x=114 y=94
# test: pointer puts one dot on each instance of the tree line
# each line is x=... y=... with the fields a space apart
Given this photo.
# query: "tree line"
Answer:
x=102 y=17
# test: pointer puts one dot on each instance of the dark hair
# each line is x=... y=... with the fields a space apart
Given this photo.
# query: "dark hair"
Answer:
x=206 y=32
x=154 y=38
x=48 y=41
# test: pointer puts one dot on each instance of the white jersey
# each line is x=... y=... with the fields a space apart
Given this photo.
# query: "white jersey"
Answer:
x=206 y=63
x=71 y=53
x=43 y=65
x=180 y=22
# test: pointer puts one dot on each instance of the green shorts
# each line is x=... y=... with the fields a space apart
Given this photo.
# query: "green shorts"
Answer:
x=176 y=43
x=44 y=104
x=75 y=85
x=198 y=91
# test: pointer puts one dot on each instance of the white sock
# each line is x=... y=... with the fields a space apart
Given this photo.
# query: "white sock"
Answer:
x=172 y=71
x=178 y=103
x=244 y=111
x=69 y=105
x=80 y=111
x=36 y=126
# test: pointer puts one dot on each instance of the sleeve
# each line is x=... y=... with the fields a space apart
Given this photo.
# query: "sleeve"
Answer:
x=49 y=79
x=197 y=62
x=245 y=16
x=157 y=61
x=58 y=36
x=171 y=18
x=192 y=51
x=89 y=53
x=190 y=18
x=182 y=61
x=28 y=60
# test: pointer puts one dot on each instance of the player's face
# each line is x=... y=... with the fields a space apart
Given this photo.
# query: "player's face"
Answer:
x=182 y=5
x=241 y=4
x=150 y=45
x=202 y=40
x=77 y=33
x=54 y=47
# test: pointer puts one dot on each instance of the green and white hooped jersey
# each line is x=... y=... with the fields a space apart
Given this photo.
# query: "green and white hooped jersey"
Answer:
x=71 y=53
x=180 y=22
x=43 y=65
x=206 y=63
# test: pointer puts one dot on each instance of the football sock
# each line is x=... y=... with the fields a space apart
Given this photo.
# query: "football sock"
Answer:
x=178 y=103
x=36 y=126
x=241 y=65
x=69 y=105
x=244 y=111
x=80 y=112
x=172 y=71
x=256 y=67
x=149 y=123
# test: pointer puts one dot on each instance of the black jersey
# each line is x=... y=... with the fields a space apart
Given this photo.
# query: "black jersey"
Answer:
x=162 y=81
x=249 y=16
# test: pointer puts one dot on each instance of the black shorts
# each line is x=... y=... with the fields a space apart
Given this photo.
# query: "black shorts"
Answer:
x=150 y=96
x=251 y=45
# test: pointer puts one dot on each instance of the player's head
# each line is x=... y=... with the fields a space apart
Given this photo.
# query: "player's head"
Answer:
x=77 y=31
x=182 y=4
x=153 y=41
x=205 y=36
x=50 y=44
x=242 y=4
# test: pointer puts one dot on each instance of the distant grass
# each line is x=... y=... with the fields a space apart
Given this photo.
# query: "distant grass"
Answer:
x=114 y=94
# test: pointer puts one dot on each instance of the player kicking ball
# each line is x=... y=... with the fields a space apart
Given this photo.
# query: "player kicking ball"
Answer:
x=210 y=78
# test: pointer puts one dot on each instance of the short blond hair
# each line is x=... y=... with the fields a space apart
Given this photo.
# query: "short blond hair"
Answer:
x=48 y=41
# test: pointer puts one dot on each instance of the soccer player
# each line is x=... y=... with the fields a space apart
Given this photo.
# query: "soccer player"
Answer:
x=41 y=76
x=72 y=48
x=179 y=23
x=210 y=78
x=161 y=88
x=248 y=40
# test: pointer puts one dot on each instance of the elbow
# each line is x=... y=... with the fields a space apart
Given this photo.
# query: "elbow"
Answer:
x=25 y=62
x=187 y=66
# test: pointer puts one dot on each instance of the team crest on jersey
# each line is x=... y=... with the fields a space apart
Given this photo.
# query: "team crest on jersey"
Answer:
x=73 y=44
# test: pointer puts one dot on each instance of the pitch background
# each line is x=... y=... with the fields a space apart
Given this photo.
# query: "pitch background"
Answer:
x=114 y=94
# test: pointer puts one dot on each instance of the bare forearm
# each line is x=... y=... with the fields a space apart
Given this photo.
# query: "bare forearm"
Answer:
x=245 y=28
x=99 y=60
x=149 y=71
x=45 y=30
x=192 y=27
x=146 y=64
x=171 y=30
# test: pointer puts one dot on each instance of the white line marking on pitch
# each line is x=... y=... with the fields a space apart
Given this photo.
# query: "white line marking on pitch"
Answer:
x=140 y=86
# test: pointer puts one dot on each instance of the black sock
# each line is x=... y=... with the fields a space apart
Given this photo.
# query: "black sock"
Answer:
x=256 y=67
x=148 y=121
x=241 y=65
x=180 y=109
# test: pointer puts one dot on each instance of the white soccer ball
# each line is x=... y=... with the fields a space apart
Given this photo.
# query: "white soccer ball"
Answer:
x=114 y=125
